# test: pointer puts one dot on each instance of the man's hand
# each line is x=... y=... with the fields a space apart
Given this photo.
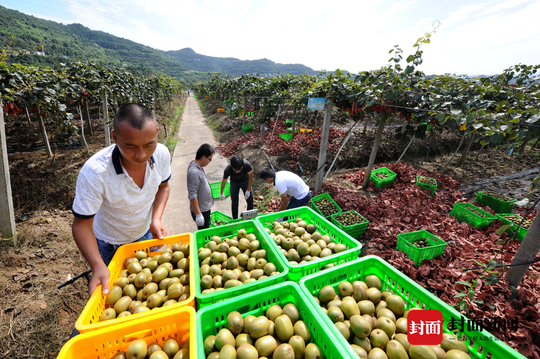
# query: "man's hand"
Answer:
x=157 y=229
x=221 y=197
x=248 y=193
x=199 y=219
x=100 y=275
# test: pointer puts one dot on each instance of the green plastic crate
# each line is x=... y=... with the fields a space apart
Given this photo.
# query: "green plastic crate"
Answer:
x=297 y=271
x=316 y=209
x=288 y=122
x=247 y=127
x=235 y=220
x=425 y=185
x=521 y=231
x=216 y=189
x=201 y=237
x=463 y=214
x=495 y=204
x=213 y=318
x=413 y=294
x=379 y=183
x=218 y=216
x=356 y=230
x=286 y=136
x=405 y=244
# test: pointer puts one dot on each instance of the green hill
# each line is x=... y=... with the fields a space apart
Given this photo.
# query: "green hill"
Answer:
x=236 y=67
x=56 y=42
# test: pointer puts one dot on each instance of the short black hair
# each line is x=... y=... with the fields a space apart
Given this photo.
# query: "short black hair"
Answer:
x=136 y=114
x=267 y=173
x=205 y=150
x=237 y=162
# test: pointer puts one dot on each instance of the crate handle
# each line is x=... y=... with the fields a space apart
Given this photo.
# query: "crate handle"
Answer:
x=138 y=335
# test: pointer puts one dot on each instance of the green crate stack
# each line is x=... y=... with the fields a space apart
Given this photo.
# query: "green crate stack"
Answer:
x=521 y=231
x=217 y=216
x=405 y=244
x=288 y=122
x=247 y=127
x=212 y=319
x=319 y=197
x=379 y=183
x=495 y=204
x=355 y=230
x=286 y=136
x=323 y=226
x=216 y=189
x=425 y=185
x=413 y=294
x=201 y=237
x=463 y=214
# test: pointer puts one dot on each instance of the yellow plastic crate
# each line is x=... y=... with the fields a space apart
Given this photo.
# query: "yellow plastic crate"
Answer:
x=178 y=323
x=89 y=318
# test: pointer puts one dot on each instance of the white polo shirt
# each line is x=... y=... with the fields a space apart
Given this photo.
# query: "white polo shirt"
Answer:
x=292 y=184
x=122 y=210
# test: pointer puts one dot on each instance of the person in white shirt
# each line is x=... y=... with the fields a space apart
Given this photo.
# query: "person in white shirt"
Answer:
x=121 y=192
x=288 y=184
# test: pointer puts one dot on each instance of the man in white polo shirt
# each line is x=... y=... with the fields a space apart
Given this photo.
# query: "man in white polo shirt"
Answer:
x=288 y=184
x=121 y=192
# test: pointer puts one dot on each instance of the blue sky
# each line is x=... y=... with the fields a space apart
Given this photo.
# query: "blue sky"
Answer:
x=474 y=37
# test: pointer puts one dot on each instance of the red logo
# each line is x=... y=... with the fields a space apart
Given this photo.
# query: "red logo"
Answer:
x=424 y=327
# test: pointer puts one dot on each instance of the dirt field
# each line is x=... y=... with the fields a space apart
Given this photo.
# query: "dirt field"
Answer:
x=36 y=319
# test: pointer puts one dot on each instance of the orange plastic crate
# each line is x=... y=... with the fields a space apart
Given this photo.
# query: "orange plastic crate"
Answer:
x=178 y=323
x=89 y=318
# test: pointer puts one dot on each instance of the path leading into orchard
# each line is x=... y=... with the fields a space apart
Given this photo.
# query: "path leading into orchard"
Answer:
x=194 y=131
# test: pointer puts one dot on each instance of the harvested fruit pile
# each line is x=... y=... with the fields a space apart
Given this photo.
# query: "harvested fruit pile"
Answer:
x=404 y=208
x=499 y=196
x=149 y=283
x=326 y=206
x=421 y=243
x=230 y=262
x=280 y=333
x=375 y=323
x=349 y=218
x=427 y=180
x=477 y=212
x=171 y=350
x=517 y=220
x=219 y=223
x=300 y=242
x=381 y=175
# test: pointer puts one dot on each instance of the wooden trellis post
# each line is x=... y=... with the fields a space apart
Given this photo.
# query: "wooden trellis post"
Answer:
x=106 y=120
x=44 y=134
x=324 y=144
x=7 y=214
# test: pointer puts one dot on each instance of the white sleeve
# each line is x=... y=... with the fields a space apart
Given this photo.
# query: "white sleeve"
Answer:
x=165 y=164
x=281 y=187
x=89 y=192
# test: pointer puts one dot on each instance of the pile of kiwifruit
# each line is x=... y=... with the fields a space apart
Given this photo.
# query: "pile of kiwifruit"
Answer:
x=475 y=211
x=427 y=180
x=374 y=322
x=219 y=223
x=421 y=243
x=516 y=219
x=300 y=242
x=279 y=334
x=381 y=175
x=349 y=218
x=499 y=196
x=230 y=262
x=171 y=349
x=326 y=206
x=149 y=283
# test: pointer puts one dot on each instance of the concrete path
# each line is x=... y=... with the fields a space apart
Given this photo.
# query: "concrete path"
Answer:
x=193 y=132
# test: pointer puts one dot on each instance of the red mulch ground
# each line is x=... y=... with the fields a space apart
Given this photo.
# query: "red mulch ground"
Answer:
x=404 y=207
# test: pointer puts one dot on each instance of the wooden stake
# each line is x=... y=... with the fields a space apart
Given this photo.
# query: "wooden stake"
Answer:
x=324 y=144
x=382 y=122
x=44 y=135
x=527 y=252
x=28 y=115
x=7 y=213
x=106 y=120
x=89 y=119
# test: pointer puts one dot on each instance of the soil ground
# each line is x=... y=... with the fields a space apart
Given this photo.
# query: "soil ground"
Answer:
x=36 y=319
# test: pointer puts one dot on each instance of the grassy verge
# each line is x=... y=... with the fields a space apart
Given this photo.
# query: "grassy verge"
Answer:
x=170 y=120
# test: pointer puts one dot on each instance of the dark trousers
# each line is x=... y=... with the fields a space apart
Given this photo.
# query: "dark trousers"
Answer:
x=206 y=216
x=295 y=203
x=235 y=189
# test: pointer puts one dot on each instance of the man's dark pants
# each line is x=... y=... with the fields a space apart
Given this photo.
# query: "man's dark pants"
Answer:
x=235 y=189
